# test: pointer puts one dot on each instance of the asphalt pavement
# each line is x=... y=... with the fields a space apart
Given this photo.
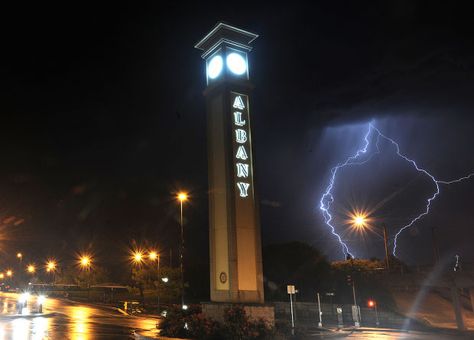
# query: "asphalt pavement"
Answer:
x=62 y=319
x=388 y=334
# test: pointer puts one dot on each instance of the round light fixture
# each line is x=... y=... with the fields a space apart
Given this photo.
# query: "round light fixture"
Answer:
x=214 y=67
x=236 y=63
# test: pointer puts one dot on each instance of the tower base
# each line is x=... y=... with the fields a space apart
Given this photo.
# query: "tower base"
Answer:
x=256 y=312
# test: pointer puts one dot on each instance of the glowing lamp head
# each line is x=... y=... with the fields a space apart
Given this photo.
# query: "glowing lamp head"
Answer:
x=153 y=255
x=236 y=63
x=85 y=261
x=137 y=257
x=182 y=196
x=9 y=273
x=359 y=220
x=371 y=303
x=31 y=269
x=19 y=255
x=215 y=66
x=2 y=276
x=50 y=266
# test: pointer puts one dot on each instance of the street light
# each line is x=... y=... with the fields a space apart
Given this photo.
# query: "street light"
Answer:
x=137 y=257
x=2 y=276
x=182 y=197
x=359 y=220
x=19 y=266
x=31 y=268
x=154 y=256
x=85 y=261
x=9 y=273
x=51 y=266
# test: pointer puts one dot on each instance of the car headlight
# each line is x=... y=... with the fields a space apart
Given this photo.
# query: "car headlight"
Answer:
x=41 y=299
x=24 y=297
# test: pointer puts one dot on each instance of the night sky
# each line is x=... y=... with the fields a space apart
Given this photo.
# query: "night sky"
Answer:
x=103 y=121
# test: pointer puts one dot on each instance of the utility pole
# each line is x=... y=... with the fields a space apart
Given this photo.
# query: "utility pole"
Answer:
x=385 y=241
x=435 y=245
x=457 y=304
x=320 y=323
x=355 y=308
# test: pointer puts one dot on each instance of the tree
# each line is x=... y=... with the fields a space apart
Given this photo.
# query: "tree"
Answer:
x=295 y=263
x=366 y=275
x=83 y=278
x=149 y=278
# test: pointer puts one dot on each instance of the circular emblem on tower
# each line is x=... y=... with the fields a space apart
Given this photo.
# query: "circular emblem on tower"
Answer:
x=223 y=277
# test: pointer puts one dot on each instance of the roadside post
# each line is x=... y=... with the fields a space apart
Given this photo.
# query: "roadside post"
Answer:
x=340 y=322
x=373 y=304
x=291 y=291
x=320 y=323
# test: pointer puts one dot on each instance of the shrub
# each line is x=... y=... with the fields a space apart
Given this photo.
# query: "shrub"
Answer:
x=193 y=324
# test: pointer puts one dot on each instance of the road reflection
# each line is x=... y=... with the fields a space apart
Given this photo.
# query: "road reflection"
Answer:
x=21 y=328
x=79 y=327
x=40 y=328
x=68 y=320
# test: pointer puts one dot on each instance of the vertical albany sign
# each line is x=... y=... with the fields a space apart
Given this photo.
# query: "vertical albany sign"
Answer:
x=245 y=217
x=242 y=144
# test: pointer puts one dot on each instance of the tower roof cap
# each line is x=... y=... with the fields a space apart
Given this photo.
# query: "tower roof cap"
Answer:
x=223 y=32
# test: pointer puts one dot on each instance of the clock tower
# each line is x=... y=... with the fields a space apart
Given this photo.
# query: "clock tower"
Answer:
x=234 y=226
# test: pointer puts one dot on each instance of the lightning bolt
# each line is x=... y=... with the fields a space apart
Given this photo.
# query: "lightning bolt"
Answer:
x=328 y=198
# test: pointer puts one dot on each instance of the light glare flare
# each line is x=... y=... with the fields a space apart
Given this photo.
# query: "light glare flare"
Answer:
x=84 y=261
x=31 y=268
x=51 y=266
x=153 y=255
x=138 y=257
x=182 y=196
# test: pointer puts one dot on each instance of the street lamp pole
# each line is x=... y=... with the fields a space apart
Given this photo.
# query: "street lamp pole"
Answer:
x=158 y=284
x=153 y=255
x=385 y=241
x=181 y=255
x=182 y=197
x=376 y=315
x=20 y=267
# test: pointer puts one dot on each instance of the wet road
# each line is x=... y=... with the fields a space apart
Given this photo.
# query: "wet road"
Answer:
x=393 y=335
x=67 y=320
